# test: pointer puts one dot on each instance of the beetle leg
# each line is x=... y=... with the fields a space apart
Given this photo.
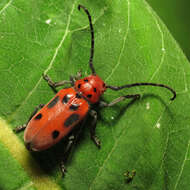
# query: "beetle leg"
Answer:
x=40 y=106
x=75 y=78
x=79 y=75
x=63 y=168
x=54 y=85
x=22 y=127
x=117 y=100
x=93 y=128
x=71 y=141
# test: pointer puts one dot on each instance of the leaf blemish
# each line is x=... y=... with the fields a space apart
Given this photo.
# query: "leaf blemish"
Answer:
x=158 y=125
x=48 y=21
x=147 y=105
x=163 y=49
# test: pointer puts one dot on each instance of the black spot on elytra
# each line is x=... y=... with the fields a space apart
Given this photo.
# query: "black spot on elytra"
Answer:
x=94 y=89
x=89 y=95
x=39 y=116
x=85 y=80
x=53 y=102
x=104 y=85
x=71 y=119
x=79 y=85
x=55 y=134
x=65 y=99
x=78 y=96
x=74 y=107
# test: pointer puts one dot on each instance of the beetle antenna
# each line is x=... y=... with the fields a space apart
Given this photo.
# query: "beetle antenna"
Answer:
x=92 y=39
x=143 y=84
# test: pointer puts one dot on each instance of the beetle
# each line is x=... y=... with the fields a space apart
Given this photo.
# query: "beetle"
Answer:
x=56 y=120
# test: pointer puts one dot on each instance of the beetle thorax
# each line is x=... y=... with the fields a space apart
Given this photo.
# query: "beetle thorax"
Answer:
x=91 y=87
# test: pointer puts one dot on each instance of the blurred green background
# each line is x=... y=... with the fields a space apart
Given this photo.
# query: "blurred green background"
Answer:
x=176 y=15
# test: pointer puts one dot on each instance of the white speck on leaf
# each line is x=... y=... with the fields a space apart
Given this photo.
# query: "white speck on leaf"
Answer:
x=158 y=125
x=147 y=105
x=48 y=21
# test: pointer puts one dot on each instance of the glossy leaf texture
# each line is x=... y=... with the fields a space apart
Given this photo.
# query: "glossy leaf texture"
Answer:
x=150 y=135
x=175 y=15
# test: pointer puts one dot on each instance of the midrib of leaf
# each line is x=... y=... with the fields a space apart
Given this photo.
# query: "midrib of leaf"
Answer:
x=20 y=153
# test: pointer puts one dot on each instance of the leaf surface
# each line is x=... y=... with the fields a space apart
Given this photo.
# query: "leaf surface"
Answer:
x=132 y=45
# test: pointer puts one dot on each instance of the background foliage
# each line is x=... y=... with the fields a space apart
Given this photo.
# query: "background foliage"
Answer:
x=175 y=14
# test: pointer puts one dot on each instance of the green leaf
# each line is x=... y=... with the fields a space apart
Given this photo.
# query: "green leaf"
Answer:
x=132 y=45
x=175 y=15
x=9 y=169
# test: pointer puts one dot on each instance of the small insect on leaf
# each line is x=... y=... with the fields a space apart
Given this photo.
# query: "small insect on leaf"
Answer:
x=129 y=176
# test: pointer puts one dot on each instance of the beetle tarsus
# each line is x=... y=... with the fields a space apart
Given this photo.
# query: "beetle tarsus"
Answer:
x=19 y=128
x=96 y=141
x=63 y=169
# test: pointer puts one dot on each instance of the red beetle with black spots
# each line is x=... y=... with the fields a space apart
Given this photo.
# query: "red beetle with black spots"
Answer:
x=56 y=119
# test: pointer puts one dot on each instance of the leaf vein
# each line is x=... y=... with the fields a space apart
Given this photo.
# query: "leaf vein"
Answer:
x=5 y=7
x=163 y=52
x=124 y=42
x=182 y=166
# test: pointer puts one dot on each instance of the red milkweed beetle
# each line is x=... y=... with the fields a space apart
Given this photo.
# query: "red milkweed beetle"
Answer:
x=57 y=118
